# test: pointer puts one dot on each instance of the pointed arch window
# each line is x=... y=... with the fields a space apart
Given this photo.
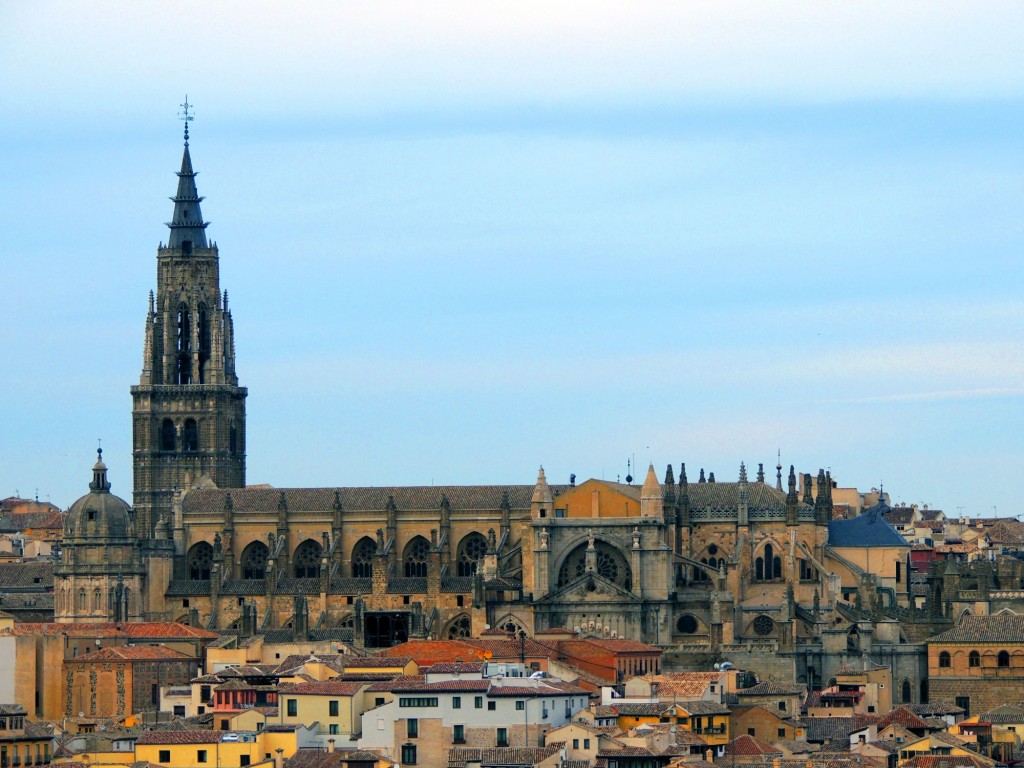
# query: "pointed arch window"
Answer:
x=362 y=558
x=415 y=558
x=183 y=346
x=200 y=561
x=168 y=436
x=768 y=567
x=254 y=561
x=471 y=552
x=307 y=560
x=459 y=628
x=204 y=341
x=906 y=692
x=190 y=436
x=81 y=600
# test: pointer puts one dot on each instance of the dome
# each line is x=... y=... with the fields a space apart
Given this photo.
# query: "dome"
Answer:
x=99 y=513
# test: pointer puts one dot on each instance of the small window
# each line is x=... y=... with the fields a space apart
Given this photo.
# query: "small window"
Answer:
x=520 y=706
x=974 y=659
x=782 y=733
x=92 y=514
x=1003 y=660
x=164 y=756
x=412 y=728
x=332 y=708
x=456 y=702
x=406 y=599
x=409 y=754
x=179 y=710
x=751 y=731
x=332 y=729
x=944 y=660
x=378 y=701
x=460 y=601
x=478 y=702
x=459 y=734
x=575 y=743
x=243 y=760
x=292 y=707
x=586 y=743
x=491 y=706
x=185 y=603
x=200 y=755
x=502 y=737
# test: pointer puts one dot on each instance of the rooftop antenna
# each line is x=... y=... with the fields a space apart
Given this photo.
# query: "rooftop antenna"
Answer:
x=185 y=116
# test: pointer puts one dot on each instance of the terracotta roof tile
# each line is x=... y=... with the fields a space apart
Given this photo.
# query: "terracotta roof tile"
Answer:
x=180 y=737
x=132 y=653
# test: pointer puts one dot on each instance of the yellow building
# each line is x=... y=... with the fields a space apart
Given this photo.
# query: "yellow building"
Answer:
x=940 y=743
x=217 y=749
x=22 y=742
x=337 y=705
x=707 y=719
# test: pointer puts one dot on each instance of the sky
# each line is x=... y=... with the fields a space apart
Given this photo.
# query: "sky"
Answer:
x=464 y=239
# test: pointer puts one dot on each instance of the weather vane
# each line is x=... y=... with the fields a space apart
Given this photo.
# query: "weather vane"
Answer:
x=185 y=116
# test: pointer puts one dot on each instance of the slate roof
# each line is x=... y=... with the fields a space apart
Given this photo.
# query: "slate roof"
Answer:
x=410 y=497
x=453 y=668
x=187 y=588
x=501 y=756
x=1004 y=715
x=639 y=710
x=823 y=729
x=771 y=688
x=869 y=529
x=1003 y=628
x=703 y=707
x=22 y=575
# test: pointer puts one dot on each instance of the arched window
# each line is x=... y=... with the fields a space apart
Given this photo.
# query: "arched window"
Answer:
x=1003 y=659
x=759 y=569
x=415 y=557
x=168 y=436
x=610 y=564
x=460 y=627
x=204 y=342
x=307 y=559
x=769 y=566
x=254 y=561
x=199 y=561
x=471 y=551
x=96 y=599
x=183 y=346
x=233 y=439
x=974 y=659
x=944 y=660
x=81 y=599
x=906 y=692
x=362 y=558
x=190 y=436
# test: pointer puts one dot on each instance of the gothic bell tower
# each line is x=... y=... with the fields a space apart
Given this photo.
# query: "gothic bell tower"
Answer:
x=188 y=412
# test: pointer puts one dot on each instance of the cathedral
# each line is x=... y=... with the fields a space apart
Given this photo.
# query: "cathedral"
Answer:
x=697 y=567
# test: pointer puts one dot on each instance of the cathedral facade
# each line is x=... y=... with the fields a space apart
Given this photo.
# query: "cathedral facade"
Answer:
x=695 y=567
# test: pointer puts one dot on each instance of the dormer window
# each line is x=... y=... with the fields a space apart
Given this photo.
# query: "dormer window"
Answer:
x=92 y=514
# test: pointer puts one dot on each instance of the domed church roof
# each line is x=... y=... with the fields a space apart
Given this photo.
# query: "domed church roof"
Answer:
x=98 y=514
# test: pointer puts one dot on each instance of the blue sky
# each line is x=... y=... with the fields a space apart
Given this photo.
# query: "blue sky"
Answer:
x=462 y=240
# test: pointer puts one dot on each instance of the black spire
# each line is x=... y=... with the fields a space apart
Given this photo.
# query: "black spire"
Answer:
x=188 y=230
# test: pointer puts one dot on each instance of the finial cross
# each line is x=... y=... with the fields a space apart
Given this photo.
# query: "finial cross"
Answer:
x=185 y=116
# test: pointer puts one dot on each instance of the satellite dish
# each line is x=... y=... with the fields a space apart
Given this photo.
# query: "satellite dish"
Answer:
x=717 y=666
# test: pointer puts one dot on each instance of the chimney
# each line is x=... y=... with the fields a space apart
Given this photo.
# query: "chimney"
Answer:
x=710 y=756
x=330 y=745
x=279 y=758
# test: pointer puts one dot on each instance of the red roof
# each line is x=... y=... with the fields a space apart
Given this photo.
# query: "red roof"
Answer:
x=180 y=737
x=138 y=630
x=326 y=688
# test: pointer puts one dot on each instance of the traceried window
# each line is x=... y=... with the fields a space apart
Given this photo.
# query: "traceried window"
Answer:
x=471 y=552
x=460 y=627
x=183 y=346
x=609 y=563
x=307 y=559
x=415 y=559
x=764 y=625
x=768 y=567
x=362 y=558
x=254 y=561
x=200 y=561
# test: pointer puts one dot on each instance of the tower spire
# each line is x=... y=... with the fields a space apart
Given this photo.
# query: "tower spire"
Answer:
x=188 y=230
